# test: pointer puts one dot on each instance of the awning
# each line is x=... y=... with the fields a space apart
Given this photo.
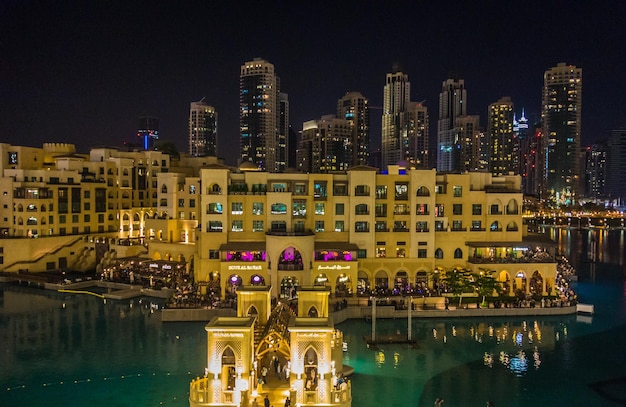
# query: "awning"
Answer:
x=343 y=246
x=529 y=242
x=243 y=247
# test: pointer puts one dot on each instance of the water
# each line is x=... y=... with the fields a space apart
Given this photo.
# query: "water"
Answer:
x=58 y=349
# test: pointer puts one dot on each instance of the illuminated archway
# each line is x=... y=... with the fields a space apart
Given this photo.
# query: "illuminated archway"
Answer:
x=381 y=280
x=290 y=259
x=343 y=286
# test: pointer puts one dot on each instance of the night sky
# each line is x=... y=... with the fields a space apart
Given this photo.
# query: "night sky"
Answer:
x=82 y=72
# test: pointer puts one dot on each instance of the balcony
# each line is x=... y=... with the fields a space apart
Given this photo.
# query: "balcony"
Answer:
x=400 y=229
x=291 y=232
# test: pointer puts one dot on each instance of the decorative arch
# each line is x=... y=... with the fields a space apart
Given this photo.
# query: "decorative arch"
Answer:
x=381 y=280
x=401 y=280
x=343 y=286
x=363 y=283
x=164 y=189
x=520 y=283
x=310 y=369
x=536 y=283
x=126 y=217
x=136 y=217
x=512 y=208
x=125 y=195
x=125 y=172
x=321 y=280
x=438 y=253
x=215 y=189
x=312 y=312
x=156 y=256
x=496 y=207
x=511 y=227
x=252 y=311
x=290 y=259
x=495 y=226
x=422 y=190
x=20 y=208
x=458 y=253
x=257 y=279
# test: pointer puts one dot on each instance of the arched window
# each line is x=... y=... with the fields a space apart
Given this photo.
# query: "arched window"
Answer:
x=458 y=253
x=422 y=191
x=495 y=227
x=439 y=253
x=511 y=227
x=163 y=189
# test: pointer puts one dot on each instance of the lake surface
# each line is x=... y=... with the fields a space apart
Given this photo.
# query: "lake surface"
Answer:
x=58 y=349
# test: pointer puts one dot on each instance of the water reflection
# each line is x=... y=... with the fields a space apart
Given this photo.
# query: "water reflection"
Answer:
x=589 y=245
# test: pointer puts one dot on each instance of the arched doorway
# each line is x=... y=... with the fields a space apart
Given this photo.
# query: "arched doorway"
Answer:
x=288 y=287
x=228 y=368
x=257 y=280
x=505 y=283
x=520 y=283
x=310 y=370
x=321 y=280
x=421 y=282
x=363 y=284
x=381 y=281
x=536 y=283
x=234 y=282
x=290 y=259
x=401 y=282
x=312 y=312
x=343 y=286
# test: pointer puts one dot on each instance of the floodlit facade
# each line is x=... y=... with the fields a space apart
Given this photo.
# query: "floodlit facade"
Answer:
x=561 y=116
x=243 y=352
x=396 y=97
x=362 y=231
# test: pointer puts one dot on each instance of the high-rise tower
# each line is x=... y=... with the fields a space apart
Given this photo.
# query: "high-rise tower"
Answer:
x=259 y=115
x=282 y=145
x=561 y=113
x=326 y=145
x=354 y=108
x=396 y=96
x=202 y=129
x=452 y=104
x=502 y=139
x=148 y=131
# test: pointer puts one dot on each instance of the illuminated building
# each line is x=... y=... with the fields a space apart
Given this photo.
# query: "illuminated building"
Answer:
x=148 y=132
x=615 y=169
x=202 y=129
x=452 y=105
x=471 y=152
x=502 y=138
x=561 y=117
x=261 y=140
x=353 y=106
x=396 y=97
x=360 y=230
x=325 y=145
x=307 y=347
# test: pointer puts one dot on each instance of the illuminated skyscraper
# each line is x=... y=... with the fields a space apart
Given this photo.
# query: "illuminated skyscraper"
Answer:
x=148 y=131
x=354 y=108
x=452 y=104
x=260 y=116
x=396 y=96
x=415 y=149
x=471 y=152
x=615 y=186
x=561 y=114
x=502 y=138
x=202 y=129
x=325 y=146
x=282 y=146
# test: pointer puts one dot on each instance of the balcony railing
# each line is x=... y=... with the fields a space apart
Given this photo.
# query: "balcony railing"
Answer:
x=291 y=232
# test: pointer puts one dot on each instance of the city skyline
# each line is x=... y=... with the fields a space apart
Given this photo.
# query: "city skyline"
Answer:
x=84 y=75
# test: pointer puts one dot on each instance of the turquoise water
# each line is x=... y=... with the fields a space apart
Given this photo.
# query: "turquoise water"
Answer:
x=59 y=349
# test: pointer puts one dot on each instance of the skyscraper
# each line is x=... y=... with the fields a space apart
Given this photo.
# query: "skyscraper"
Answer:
x=502 y=139
x=471 y=152
x=353 y=106
x=148 y=131
x=452 y=104
x=417 y=131
x=282 y=145
x=561 y=114
x=326 y=145
x=260 y=116
x=202 y=129
x=396 y=96
x=615 y=186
